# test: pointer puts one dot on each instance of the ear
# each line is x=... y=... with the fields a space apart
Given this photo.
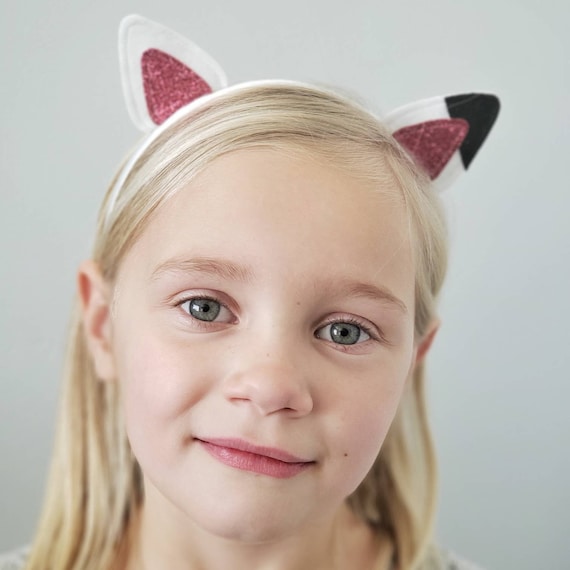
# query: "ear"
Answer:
x=95 y=298
x=443 y=134
x=162 y=71
x=426 y=341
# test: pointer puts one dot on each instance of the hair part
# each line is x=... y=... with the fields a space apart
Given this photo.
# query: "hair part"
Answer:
x=95 y=485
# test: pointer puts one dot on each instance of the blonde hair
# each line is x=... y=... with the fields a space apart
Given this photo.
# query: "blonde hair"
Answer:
x=95 y=485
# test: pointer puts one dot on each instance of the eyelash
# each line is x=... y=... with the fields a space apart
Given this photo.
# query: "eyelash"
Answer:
x=205 y=297
x=353 y=321
x=370 y=331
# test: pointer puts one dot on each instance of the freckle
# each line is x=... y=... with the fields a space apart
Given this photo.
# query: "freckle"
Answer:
x=298 y=303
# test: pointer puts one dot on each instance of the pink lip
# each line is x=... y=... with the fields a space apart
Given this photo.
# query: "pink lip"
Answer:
x=248 y=457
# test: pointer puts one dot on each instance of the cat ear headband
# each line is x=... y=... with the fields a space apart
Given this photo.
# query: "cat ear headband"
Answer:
x=166 y=76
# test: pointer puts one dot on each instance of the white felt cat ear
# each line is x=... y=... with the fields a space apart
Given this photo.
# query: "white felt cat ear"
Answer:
x=162 y=71
x=443 y=134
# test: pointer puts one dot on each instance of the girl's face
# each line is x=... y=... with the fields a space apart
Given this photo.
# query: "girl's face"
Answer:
x=262 y=333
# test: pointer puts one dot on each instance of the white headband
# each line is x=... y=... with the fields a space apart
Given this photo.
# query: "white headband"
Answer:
x=166 y=76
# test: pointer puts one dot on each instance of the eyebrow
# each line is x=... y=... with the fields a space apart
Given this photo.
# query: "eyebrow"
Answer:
x=351 y=288
x=229 y=270
x=222 y=268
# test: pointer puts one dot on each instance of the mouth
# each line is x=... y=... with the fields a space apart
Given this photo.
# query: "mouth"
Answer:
x=245 y=456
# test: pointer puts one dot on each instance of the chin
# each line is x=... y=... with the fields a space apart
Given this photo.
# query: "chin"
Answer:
x=252 y=525
x=251 y=532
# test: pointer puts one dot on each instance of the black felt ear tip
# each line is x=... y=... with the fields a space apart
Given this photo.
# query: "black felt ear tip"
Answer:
x=480 y=110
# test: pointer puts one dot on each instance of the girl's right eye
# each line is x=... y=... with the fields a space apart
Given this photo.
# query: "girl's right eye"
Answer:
x=206 y=310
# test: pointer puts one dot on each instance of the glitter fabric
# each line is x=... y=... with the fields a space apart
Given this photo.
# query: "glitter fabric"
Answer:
x=168 y=84
x=433 y=143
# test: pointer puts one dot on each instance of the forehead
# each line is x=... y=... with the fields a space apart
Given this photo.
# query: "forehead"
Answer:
x=288 y=211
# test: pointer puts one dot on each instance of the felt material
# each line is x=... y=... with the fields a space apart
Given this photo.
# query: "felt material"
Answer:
x=139 y=38
x=169 y=84
x=424 y=111
x=166 y=77
x=432 y=143
x=480 y=110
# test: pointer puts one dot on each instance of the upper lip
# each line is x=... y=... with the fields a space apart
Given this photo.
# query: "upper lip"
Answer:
x=242 y=445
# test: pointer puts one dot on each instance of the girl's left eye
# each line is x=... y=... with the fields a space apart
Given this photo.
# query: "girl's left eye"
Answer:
x=343 y=333
x=206 y=310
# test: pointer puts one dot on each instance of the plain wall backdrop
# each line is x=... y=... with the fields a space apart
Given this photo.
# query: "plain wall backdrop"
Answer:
x=499 y=380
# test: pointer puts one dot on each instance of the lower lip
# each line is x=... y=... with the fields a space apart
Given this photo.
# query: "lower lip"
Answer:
x=253 y=462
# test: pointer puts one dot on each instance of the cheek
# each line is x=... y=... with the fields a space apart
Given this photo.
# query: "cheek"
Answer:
x=369 y=409
x=159 y=384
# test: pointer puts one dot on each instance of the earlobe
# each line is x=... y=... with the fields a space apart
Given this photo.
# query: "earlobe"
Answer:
x=426 y=342
x=95 y=301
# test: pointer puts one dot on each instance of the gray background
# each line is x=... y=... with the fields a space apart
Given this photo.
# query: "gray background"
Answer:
x=499 y=370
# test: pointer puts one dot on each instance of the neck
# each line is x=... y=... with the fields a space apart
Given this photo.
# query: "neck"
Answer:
x=343 y=542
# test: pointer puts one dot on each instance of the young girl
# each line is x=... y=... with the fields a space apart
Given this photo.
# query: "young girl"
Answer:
x=244 y=384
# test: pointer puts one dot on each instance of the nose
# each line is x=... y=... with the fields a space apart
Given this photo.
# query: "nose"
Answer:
x=271 y=383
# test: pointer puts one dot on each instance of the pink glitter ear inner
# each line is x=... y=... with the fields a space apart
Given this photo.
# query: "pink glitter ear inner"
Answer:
x=168 y=84
x=433 y=143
